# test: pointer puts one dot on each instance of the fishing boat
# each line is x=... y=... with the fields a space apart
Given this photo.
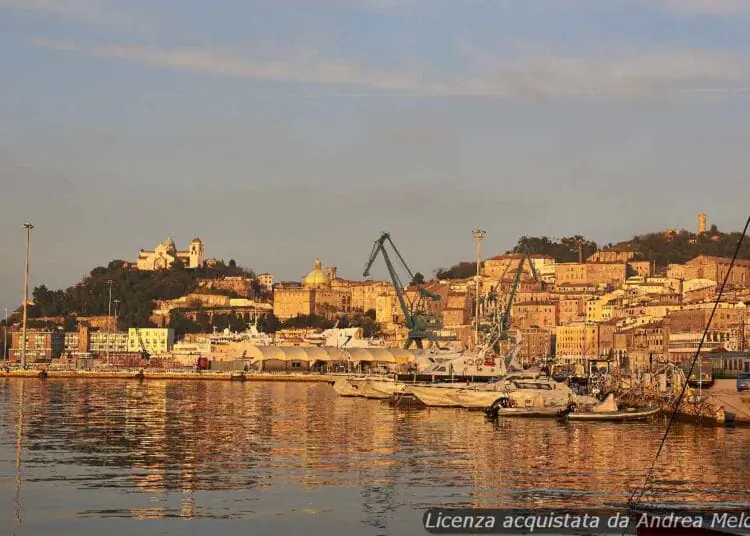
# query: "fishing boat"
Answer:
x=544 y=412
x=607 y=410
x=628 y=414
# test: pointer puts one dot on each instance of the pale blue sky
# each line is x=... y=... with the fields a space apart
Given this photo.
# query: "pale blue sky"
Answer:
x=282 y=130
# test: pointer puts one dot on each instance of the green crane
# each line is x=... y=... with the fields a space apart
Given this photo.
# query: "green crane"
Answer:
x=420 y=325
x=505 y=318
x=500 y=326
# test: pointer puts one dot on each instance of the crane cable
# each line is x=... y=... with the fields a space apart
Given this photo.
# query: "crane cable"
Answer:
x=633 y=501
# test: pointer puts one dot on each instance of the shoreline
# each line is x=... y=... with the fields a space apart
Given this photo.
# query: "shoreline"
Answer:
x=154 y=375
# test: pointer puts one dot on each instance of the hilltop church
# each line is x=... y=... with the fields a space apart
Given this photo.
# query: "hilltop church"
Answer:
x=164 y=255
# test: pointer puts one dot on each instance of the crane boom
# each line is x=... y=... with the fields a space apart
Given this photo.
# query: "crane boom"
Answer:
x=417 y=322
x=505 y=321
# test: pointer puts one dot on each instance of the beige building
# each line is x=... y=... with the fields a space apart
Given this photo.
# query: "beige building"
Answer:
x=571 y=310
x=505 y=266
x=155 y=340
x=600 y=273
x=536 y=343
x=165 y=254
x=266 y=281
x=580 y=341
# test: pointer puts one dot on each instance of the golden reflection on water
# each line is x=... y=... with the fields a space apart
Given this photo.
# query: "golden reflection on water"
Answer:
x=215 y=449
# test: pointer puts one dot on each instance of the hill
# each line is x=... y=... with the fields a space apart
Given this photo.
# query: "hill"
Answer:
x=136 y=291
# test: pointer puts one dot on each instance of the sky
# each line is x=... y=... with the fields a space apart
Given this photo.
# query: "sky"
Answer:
x=279 y=131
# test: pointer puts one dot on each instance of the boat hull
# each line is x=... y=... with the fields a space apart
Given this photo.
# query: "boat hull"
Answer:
x=527 y=413
x=638 y=415
x=346 y=387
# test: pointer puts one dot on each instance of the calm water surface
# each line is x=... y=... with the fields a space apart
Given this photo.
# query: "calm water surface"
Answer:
x=118 y=458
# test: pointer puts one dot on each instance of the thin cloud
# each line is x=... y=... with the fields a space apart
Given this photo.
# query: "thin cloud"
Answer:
x=704 y=7
x=489 y=74
x=94 y=12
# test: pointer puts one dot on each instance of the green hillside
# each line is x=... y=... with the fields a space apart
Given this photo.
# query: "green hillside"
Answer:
x=136 y=291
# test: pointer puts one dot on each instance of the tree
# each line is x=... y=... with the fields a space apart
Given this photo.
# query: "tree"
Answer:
x=418 y=279
x=70 y=323
x=462 y=270
x=714 y=229
x=269 y=323
x=232 y=263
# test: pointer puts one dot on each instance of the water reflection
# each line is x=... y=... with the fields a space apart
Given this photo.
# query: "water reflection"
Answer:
x=216 y=450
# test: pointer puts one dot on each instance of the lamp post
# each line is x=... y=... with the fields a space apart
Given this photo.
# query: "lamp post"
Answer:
x=478 y=237
x=109 y=316
x=28 y=226
x=5 y=336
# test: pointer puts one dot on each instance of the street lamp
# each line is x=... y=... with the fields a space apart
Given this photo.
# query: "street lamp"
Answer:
x=28 y=226
x=478 y=236
x=5 y=335
x=109 y=316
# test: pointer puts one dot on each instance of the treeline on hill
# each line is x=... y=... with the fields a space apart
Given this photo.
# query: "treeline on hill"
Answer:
x=661 y=248
x=271 y=324
x=134 y=290
x=563 y=250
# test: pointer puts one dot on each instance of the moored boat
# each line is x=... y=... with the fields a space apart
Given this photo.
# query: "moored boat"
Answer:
x=629 y=414
x=608 y=410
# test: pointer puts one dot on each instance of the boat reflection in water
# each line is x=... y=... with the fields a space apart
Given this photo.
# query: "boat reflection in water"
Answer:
x=293 y=457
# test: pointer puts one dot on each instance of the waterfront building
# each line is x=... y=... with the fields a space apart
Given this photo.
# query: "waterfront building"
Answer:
x=41 y=344
x=155 y=340
x=165 y=254
x=117 y=341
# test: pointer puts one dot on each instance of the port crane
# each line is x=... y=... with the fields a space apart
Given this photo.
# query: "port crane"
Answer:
x=501 y=325
x=420 y=324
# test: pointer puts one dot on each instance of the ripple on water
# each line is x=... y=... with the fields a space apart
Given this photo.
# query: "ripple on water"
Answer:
x=216 y=450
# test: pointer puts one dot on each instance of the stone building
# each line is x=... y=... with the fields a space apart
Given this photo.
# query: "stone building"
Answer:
x=242 y=286
x=600 y=273
x=316 y=295
x=165 y=254
x=716 y=268
x=619 y=253
x=542 y=314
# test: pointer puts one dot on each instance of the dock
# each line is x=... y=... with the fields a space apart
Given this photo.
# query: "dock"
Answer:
x=146 y=374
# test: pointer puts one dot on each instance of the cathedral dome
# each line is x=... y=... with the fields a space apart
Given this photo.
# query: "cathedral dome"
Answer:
x=316 y=278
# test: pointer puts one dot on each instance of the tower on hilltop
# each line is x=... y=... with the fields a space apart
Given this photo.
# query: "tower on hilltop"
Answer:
x=701 y=223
